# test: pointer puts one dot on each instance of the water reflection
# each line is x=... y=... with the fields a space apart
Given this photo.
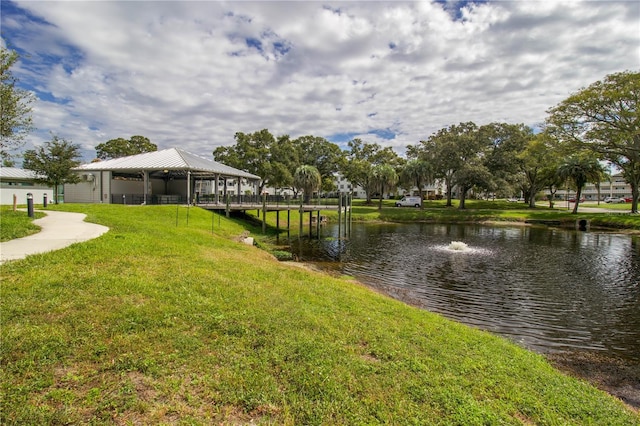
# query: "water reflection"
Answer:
x=549 y=289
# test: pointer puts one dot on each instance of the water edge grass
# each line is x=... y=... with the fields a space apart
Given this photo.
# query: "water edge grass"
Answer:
x=167 y=321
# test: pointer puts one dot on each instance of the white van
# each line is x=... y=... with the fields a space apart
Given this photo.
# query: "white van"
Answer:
x=409 y=202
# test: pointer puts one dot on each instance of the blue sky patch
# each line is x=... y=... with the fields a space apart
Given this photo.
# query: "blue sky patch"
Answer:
x=383 y=133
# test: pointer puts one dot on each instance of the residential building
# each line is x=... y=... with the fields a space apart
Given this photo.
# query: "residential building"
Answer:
x=616 y=187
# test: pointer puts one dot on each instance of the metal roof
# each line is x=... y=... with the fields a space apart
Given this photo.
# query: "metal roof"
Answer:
x=16 y=173
x=173 y=159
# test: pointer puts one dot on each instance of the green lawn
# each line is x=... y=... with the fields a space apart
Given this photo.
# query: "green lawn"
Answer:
x=16 y=224
x=167 y=319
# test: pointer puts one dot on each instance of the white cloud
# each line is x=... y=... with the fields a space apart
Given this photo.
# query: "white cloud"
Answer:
x=191 y=74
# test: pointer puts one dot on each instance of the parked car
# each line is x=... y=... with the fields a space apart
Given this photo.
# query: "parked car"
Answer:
x=513 y=199
x=573 y=200
x=409 y=202
x=614 y=200
x=628 y=199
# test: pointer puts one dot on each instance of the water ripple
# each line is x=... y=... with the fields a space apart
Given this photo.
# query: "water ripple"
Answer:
x=545 y=288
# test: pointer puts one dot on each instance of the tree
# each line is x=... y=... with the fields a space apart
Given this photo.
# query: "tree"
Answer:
x=120 y=147
x=284 y=157
x=605 y=119
x=325 y=156
x=455 y=153
x=360 y=160
x=383 y=177
x=538 y=163
x=580 y=169
x=252 y=153
x=15 y=108
x=308 y=179
x=504 y=144
x=52 y=163
x=417 y=172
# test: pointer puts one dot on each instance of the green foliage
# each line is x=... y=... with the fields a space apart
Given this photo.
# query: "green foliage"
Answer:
x=323 y=155
x=539 y=163
x=580 y=169
x=282 y=255
x=251 y=153
x=284 y=159
x=416 y=172
x=120 y=147
x=15 y=114
x=604 y=118
x=383 y=177
x=360 y=160
x=275 y=160
x=456 y=153
x=52 y=163
x=154 y=323
x=308 y=179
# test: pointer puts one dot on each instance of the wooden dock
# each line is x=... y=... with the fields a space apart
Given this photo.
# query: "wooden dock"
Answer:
x=343 y=208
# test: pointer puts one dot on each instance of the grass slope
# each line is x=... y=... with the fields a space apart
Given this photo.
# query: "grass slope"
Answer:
x=161 y=323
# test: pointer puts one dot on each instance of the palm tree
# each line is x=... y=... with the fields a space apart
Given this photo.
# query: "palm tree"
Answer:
x=417 y=173
x=580 y=170
x=384 y=176
x=308 y=179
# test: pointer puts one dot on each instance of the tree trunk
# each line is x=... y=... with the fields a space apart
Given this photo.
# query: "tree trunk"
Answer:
x=552 y=195
x=532 y=197
x=449 y=191
x=634 y=196
x=575 y=205
x=463 y=198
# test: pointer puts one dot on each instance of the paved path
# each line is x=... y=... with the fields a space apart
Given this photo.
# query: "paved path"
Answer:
x=59 y=230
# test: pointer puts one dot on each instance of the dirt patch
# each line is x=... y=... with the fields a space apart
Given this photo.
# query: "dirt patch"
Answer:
x=618 y=377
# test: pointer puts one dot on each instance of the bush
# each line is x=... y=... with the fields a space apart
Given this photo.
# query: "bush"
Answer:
x=282 y=255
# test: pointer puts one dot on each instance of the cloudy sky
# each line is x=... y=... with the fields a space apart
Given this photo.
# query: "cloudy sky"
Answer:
x=191 y=74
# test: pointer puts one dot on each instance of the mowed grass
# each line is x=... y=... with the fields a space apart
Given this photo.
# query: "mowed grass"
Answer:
x=16 y=224
x=158 y=323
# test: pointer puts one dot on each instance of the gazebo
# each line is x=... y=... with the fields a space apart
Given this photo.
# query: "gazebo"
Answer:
x=168 y=176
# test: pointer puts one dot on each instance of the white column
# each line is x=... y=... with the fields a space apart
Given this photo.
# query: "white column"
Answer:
x=145 y=182
x=216 y=189
x=189 y=187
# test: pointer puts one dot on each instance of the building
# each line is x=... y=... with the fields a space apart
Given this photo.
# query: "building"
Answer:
x=428 y=191
x=616 y=187
x=19 y=182
x=168 y=176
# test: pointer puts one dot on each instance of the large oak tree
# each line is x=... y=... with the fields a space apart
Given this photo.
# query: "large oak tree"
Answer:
x=120 y=147
x=605 y=119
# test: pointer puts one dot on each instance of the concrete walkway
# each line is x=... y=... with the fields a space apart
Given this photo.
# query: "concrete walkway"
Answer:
x=59 y=230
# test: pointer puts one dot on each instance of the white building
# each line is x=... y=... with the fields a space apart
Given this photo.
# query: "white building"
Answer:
x=428 y=191
x=19 y=182
x=616 y=187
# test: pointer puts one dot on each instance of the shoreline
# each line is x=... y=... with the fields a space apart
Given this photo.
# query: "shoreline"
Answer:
x=613 y=375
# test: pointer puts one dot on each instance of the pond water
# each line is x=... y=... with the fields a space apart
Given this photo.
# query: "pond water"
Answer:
x=549 y=289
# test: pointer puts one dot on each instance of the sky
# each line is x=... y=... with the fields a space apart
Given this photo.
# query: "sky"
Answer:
x=190 y=74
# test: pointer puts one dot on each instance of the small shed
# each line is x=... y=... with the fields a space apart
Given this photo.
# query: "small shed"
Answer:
x=170 y=176
x=20 y=182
